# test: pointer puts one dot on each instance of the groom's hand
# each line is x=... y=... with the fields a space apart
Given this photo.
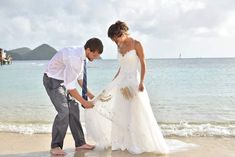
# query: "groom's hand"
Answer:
x=88 y=104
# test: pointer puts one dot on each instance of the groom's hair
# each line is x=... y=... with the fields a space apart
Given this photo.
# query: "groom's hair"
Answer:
x=94 y=44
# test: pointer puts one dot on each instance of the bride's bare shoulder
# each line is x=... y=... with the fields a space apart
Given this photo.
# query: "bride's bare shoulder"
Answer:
x=137 y=44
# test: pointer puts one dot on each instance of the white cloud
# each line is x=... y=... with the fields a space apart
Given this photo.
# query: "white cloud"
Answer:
x=21 y=24
x=165 y=27
x=227 y=28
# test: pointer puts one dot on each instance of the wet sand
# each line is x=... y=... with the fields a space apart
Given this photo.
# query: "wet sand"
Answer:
x=37 y=145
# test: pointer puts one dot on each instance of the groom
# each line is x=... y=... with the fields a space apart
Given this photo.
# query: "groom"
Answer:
x=63 y=72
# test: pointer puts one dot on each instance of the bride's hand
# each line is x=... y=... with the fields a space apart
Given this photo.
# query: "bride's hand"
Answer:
x=141 y=87
x=90 y=95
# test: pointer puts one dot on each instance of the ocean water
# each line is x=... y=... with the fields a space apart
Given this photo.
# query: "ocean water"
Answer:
x=189 y=97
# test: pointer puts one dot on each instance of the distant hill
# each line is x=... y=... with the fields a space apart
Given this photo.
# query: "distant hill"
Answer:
x=42 y=52
x=20 y=50
x=18 y=54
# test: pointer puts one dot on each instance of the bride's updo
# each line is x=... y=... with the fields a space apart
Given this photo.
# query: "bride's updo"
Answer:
x=117 y=29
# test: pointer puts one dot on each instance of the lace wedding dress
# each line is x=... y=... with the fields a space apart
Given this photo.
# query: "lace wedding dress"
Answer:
x=122 y=117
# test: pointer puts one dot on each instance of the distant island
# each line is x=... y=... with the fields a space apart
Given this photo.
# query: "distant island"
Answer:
x=42 y=52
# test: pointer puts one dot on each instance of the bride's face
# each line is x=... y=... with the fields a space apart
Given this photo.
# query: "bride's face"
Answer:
x=115 y=39
x=119 y=40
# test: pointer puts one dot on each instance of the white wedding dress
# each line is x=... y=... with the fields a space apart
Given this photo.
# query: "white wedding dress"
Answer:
x=122 y=117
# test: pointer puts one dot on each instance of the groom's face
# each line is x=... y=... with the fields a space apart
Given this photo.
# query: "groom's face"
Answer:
x=93 y=55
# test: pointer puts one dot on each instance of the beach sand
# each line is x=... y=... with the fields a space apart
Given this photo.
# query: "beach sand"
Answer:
x=37 y=145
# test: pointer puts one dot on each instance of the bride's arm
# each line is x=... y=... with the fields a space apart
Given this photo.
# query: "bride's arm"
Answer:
x=116 y=74
x=140 y=54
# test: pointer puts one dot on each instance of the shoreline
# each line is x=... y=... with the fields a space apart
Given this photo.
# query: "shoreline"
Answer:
x=37 y=145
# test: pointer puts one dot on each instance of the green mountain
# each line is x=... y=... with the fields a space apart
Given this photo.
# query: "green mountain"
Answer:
x=18 y=54
x=42 y=52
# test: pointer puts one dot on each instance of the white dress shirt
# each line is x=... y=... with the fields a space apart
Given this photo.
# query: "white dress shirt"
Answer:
x=67 y=65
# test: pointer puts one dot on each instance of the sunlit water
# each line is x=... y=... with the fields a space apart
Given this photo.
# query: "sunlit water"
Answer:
x=189 y=97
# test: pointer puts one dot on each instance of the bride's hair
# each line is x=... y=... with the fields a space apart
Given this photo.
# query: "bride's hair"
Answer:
x=117 y=29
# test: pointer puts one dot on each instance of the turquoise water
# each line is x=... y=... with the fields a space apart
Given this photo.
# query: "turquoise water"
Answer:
x=189 y=97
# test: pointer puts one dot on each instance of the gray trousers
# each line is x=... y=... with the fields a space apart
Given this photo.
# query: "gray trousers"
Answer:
x=67 y=113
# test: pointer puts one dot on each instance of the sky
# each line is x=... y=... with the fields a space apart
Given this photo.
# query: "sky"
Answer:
x=166 y=28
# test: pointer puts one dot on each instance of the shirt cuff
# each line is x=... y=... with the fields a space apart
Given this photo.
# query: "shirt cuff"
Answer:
x=80 y=76
x=71 y=85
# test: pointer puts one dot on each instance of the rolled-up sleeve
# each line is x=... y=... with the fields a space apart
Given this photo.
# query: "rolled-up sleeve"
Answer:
x=72 y=68
x=70 y=77
x=80 y=76
x=70 y=73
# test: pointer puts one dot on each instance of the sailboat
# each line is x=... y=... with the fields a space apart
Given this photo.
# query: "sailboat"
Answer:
x=180 y=56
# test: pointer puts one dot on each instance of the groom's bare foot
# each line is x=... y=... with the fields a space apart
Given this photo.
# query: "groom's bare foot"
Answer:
x=57 y=151
x=86 y=147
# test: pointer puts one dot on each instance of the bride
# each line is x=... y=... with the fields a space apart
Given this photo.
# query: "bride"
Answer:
x=122 y=117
